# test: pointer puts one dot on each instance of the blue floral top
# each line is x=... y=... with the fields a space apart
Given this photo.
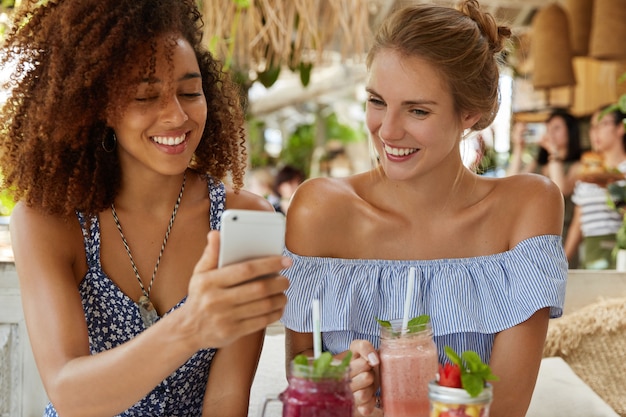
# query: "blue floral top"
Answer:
x=469 y=300
x=113 y=319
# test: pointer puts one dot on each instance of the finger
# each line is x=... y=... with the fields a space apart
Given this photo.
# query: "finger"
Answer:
x=366 y=409
x=364 y=349
x=239 y=273
x=261 y=307
x=254 y=324
x=365 y=402
x=363 y=381
x=208 y=260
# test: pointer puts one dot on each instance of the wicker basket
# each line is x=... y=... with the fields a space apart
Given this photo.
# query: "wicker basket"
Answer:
x=592 y=341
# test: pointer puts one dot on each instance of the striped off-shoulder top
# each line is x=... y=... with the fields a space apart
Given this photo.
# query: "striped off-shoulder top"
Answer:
x=469 y=300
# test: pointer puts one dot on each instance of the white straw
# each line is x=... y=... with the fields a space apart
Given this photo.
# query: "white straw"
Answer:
x=317 y=333
x=408 y=299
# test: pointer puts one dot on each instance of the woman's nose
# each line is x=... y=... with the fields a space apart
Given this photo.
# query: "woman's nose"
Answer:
x=390 y=128
x=173 y=112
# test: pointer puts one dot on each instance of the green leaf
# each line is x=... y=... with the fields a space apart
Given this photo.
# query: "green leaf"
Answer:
x=244 y=4
x=454 y=358
x=301 y=360
x=269 y=76
x=474 y=373
x=472 y=360
x=345 y=362
x=472 y=383
x=321 y=364
x=305 y=73
x=418 y=324
x=384 y=323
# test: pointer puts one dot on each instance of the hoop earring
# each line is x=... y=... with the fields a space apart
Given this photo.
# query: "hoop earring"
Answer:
x=109 y=146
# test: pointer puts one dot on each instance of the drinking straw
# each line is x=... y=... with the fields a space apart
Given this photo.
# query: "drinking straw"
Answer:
x=408 y=298
x=317 y=333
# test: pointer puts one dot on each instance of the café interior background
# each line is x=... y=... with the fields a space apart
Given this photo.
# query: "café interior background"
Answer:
x=303 y=76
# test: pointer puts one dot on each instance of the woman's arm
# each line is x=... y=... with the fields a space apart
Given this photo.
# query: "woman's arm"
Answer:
x=516 y=162
x=231 y=376
x=574 y=235
x=515 y=359
x=219 y=310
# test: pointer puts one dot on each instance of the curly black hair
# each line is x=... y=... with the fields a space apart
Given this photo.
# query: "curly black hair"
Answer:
x=71 y=61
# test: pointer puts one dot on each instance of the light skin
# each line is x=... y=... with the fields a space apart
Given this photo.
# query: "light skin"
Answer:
x=222 y=310
x=420 y=202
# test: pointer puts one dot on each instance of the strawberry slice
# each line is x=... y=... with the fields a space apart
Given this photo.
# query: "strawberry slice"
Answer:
x=450 y=376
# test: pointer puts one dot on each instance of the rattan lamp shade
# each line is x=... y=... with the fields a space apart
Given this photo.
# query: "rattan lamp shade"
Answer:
x=608 y=30
x=551 y=50
x=579 y=14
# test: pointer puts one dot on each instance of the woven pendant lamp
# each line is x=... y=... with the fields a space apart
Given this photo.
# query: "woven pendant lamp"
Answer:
x=551 y=50
x=579 y=14
x=608 y=30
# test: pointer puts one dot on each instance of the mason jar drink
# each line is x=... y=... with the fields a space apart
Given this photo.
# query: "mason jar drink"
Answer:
x=408 y=361
x=309 y=394
x=445 y=401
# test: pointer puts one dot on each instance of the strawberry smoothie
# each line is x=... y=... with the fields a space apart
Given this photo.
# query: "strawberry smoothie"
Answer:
x=408 y=362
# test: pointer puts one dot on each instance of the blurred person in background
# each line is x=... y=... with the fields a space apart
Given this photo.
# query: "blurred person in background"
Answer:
x=595 y=223
x=287 y=180
x=558 y=158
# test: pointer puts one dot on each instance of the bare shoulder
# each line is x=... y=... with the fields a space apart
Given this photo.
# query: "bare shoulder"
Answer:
x=534 y=202
x=319 y=206
x=529 y=185
x=51 y=240
x=246 y=200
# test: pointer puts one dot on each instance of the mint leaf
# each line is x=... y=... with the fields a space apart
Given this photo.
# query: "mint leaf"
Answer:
x=345 y=362
x=301 y=360
x=321 y=367
x=474 y=373
x=321 y=364
x=454 y=358
x=472 y=383
x=419 y=323
x=384 y=323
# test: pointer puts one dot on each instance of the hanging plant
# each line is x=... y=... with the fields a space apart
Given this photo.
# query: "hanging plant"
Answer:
x=255 y=37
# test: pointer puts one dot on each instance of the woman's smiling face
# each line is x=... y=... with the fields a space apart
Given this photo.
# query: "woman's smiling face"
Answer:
x=164 y=118
x=411 y=116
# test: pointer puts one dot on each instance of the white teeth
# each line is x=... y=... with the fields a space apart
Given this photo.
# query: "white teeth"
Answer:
x=400 y=151
x=169 y=140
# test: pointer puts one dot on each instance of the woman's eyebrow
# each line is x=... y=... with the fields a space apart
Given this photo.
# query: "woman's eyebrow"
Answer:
x=187 y=76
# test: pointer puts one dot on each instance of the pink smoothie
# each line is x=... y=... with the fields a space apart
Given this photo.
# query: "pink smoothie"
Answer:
x=407 y=364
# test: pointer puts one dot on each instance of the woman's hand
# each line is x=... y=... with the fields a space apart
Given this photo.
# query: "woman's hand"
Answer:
x=364 y=374
x=227 y=303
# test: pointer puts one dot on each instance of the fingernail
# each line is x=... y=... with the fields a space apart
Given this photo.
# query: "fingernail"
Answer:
x=287 y=262
x=372 y=358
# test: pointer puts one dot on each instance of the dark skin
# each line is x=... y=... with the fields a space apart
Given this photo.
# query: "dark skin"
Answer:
x=225 y=308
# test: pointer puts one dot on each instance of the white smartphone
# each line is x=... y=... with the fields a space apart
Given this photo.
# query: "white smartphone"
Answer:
x=249 y=234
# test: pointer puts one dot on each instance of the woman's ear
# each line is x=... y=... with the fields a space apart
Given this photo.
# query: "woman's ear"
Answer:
x=468 y=120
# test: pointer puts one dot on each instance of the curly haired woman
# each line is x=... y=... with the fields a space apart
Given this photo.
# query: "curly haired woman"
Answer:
x=119 y=174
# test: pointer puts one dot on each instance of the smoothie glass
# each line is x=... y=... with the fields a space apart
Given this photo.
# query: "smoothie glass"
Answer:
x=309 y=395
x=456 y=402
x=408 y=362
